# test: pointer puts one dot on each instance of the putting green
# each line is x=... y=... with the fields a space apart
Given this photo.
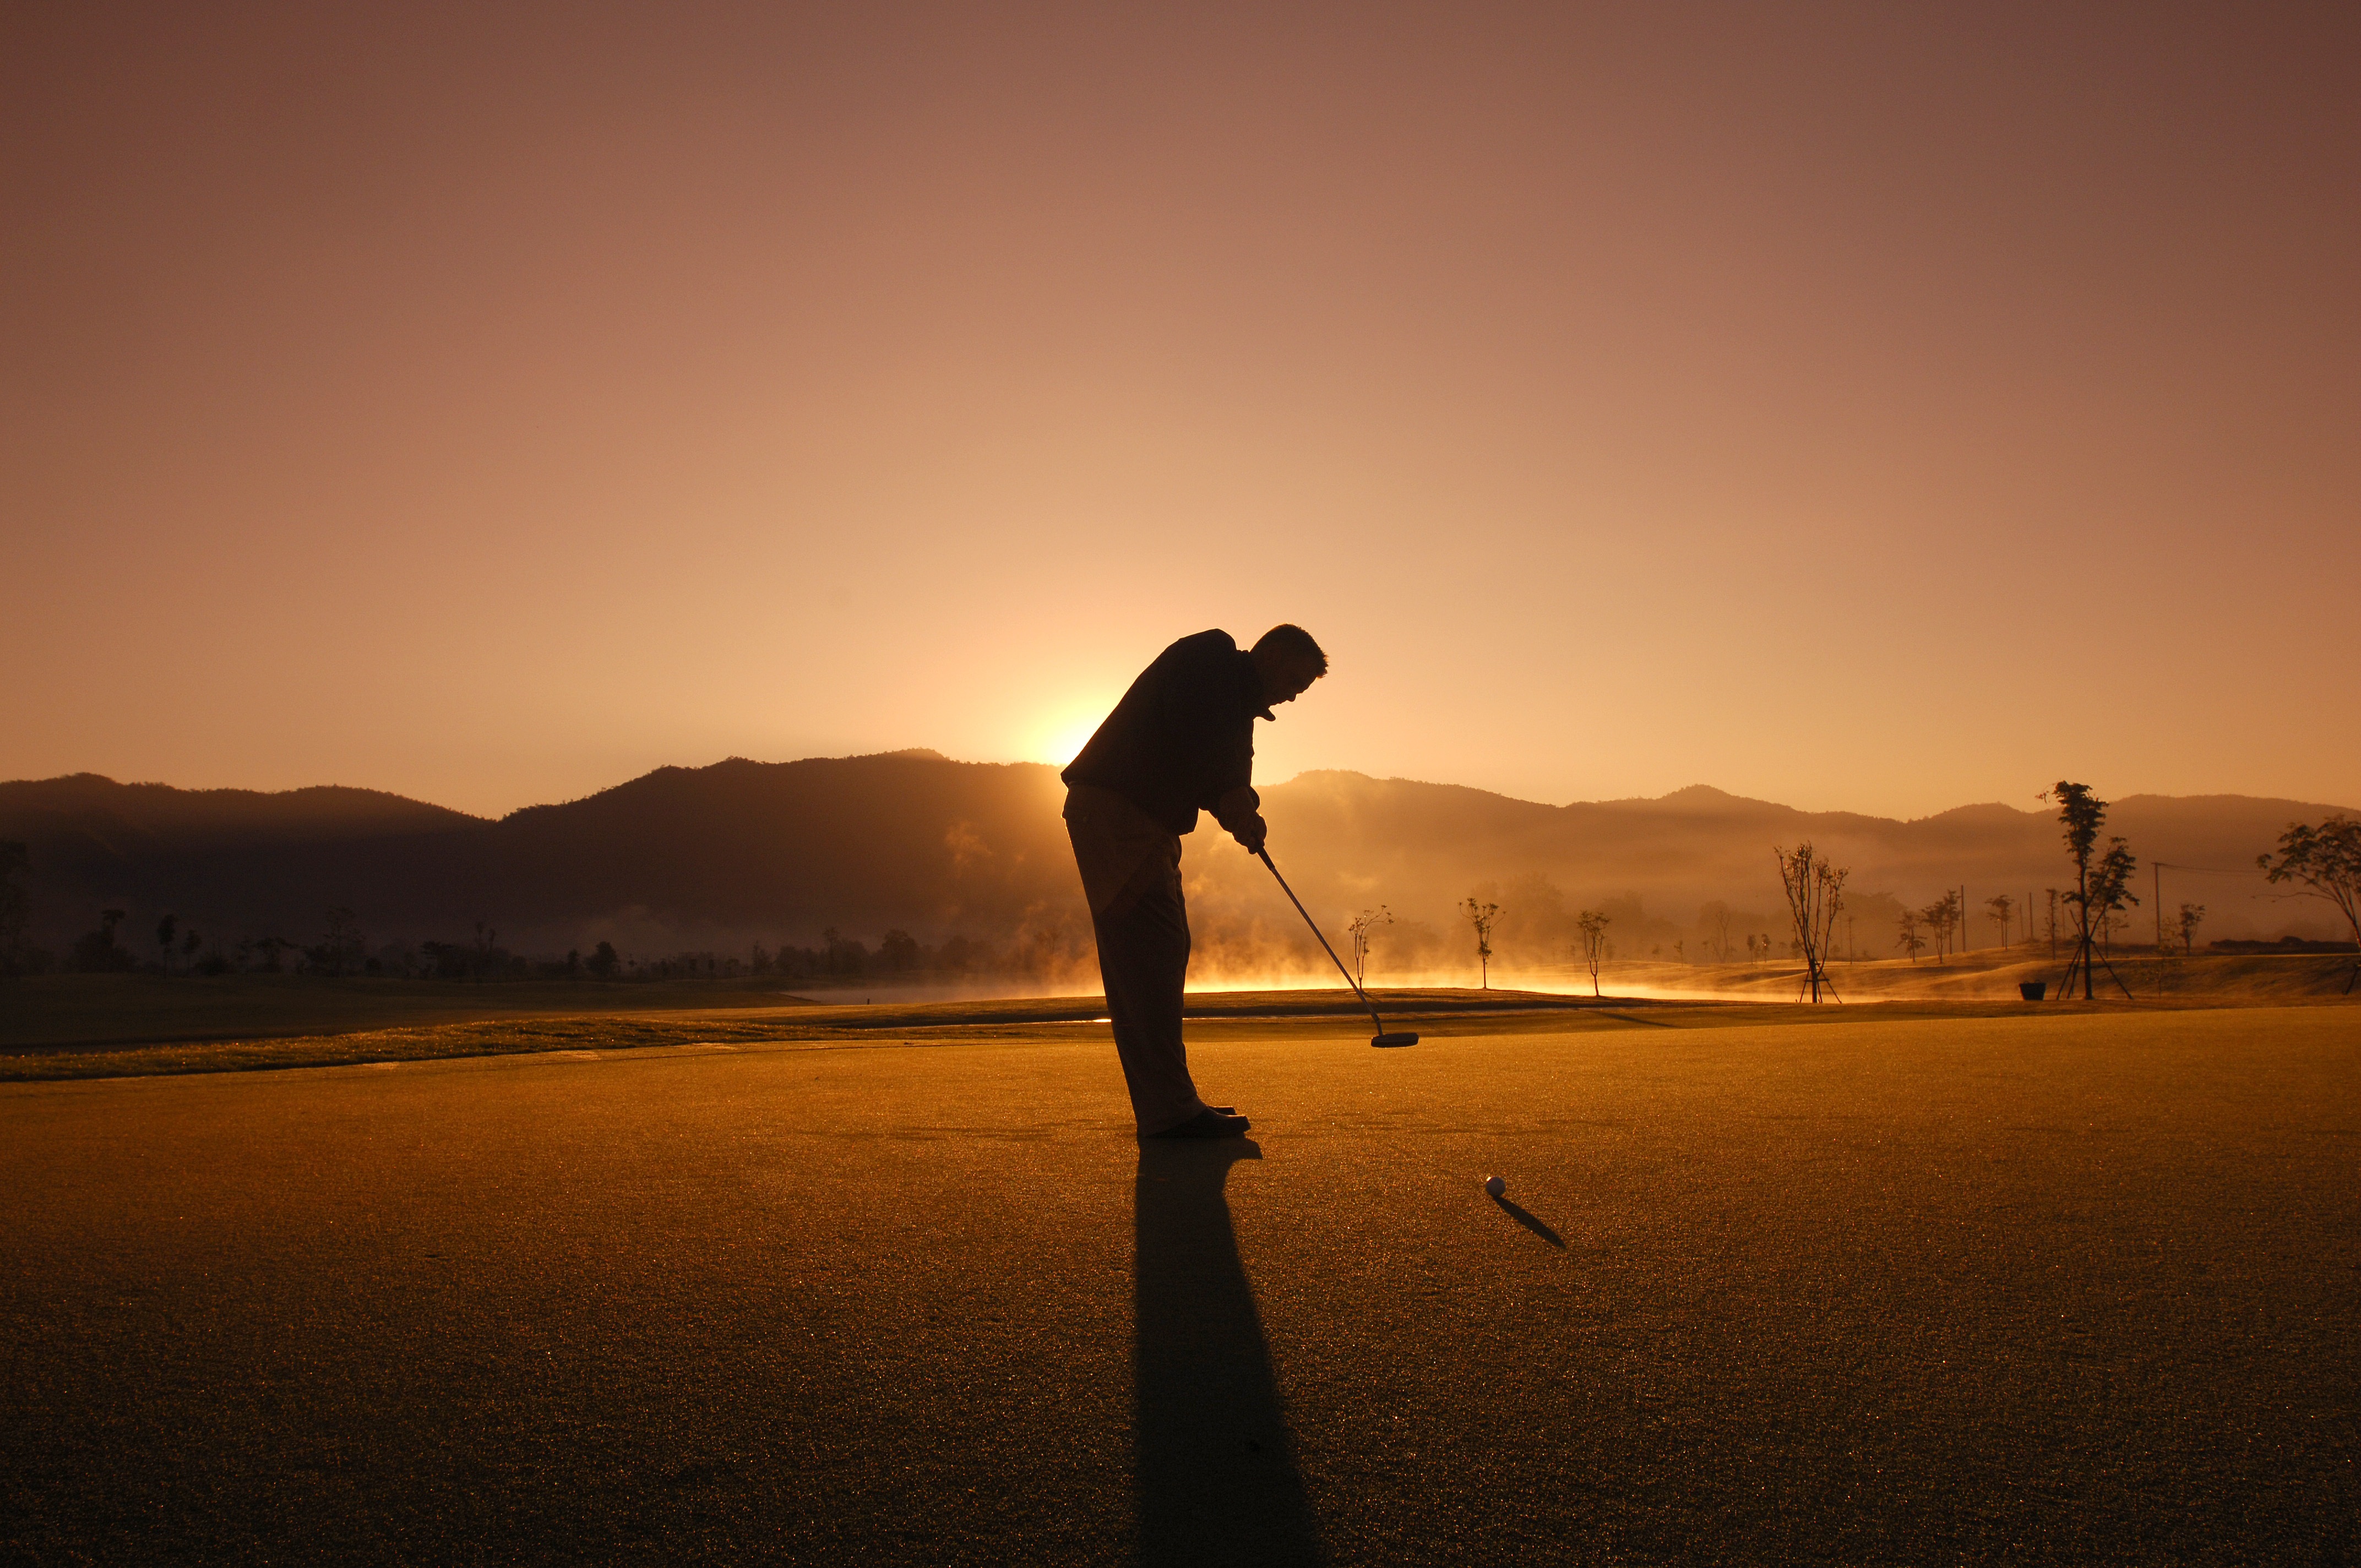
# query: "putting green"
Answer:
x=2045 y=1287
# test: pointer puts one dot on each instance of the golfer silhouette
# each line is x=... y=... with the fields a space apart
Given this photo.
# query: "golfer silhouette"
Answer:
x=1181 y=742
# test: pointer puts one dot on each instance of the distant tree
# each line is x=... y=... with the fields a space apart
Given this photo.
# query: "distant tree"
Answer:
x=95 y=953
x=16 y=860
x=1910 y=941
x=2326 y=861
x=1481 y=917
x=603 y=963
x=898 y=950
x=165 y=929
x=845 y=955
x=2191 y=916
x=342 y=948
x=1944 y=918
x=1998 y=910
x=1715 y=929
x=1815 y=897
x=189 y=943
x=273 y=950
x=1593 y=926
x=2102 y=887
x=1363 y=928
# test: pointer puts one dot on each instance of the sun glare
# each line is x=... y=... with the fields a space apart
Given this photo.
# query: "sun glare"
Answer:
x=1062 y=740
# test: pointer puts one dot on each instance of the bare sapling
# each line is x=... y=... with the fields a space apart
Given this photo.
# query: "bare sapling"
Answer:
x=1815 y=897
x=1363 y=926
x=1481 y=917
x=1593 y=926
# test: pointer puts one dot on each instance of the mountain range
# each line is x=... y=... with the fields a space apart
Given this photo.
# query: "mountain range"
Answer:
x=740 y=851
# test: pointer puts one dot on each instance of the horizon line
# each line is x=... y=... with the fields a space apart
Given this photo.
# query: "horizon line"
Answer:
x=929 y=753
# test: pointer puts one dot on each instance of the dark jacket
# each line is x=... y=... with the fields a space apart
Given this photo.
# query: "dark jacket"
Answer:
x=1183 y=737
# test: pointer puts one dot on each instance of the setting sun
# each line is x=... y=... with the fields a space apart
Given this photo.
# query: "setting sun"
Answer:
x=1063 y=739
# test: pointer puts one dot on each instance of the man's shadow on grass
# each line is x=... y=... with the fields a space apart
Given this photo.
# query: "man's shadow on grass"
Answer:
x=1215 y=1467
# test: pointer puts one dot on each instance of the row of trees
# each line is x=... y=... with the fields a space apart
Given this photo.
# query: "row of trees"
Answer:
x=2320 y=860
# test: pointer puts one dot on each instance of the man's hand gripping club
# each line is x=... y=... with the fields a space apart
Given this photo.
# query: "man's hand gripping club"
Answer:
x=1240 y=815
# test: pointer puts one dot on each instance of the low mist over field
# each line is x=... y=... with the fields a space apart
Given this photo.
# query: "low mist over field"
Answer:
x=908 y=862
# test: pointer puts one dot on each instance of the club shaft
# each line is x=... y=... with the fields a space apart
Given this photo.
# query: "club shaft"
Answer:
x=1324 y=942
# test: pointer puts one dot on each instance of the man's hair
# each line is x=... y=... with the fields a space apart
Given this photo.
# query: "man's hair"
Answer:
x=1295 y=643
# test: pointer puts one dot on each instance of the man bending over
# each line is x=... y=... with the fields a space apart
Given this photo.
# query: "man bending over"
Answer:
x=1181 y=741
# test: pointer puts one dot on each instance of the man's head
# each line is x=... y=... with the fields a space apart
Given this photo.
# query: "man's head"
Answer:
x=1288 y=661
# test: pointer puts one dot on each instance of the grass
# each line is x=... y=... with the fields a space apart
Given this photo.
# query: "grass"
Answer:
x=83 y=1010
x=368 y=1022
x=1997 y=1285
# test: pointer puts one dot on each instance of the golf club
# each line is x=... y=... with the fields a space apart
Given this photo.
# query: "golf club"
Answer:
x=1382 y=1038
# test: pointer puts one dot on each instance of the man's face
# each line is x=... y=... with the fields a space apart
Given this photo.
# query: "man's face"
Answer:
x=1285 y=679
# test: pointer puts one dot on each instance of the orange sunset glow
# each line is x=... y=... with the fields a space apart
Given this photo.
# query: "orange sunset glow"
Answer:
x=1827 y=404
x=1162 y=785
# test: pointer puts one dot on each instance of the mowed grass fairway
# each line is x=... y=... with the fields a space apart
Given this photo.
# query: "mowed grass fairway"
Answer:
x=2067 y=1287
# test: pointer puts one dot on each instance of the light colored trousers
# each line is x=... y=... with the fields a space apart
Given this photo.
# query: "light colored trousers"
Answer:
x=1131 y=874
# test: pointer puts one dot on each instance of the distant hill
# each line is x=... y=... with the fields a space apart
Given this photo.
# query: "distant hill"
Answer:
x=1350 y=840
x=740 y=851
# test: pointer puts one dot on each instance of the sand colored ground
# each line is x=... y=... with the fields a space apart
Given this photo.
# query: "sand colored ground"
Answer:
x=1312 y=1014
x=2012 y=1287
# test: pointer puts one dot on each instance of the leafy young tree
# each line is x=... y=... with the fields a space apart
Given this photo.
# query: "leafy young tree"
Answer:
x=165 y=929
x=1364 y=926
x=602 y=961
x=1815 y=897
x=1481 y=916
x=2101 y=888
x=1910 y=941
x=2192 y=914
x=2110 y=882
x=1996 y=910
x=2326 y=863
x=1942 y=917
x=1593 y=926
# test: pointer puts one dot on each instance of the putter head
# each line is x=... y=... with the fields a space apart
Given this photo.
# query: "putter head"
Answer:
x=1394 y=1037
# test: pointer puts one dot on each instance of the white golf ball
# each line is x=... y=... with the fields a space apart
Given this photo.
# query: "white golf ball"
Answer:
x=1494 y=1185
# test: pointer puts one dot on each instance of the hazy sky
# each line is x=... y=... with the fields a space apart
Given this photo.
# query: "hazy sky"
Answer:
x=1878 y=407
